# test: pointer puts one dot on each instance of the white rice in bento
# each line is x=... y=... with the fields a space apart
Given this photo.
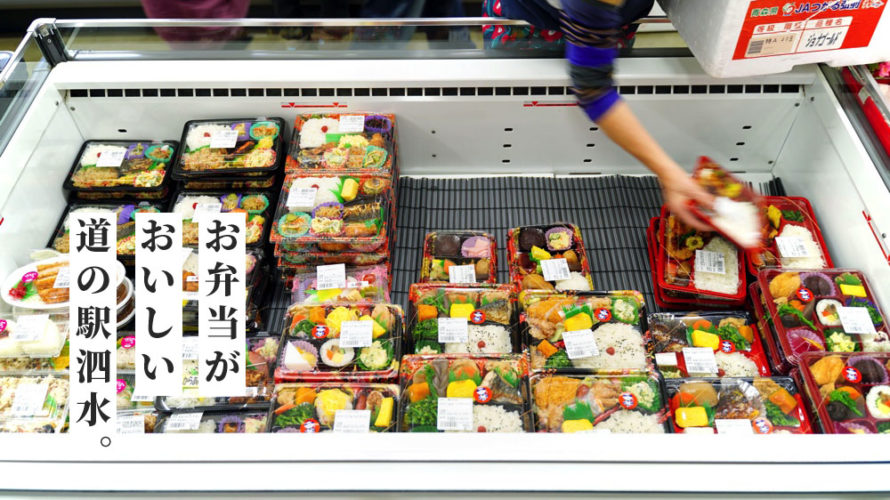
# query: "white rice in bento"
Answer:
x=631 y=422
x=728 y=282
x=735 y=364
x=620 y=348
x=496 y=419
x=201 y=135
x=483 y=339
x=813 y=260
x=91 y=153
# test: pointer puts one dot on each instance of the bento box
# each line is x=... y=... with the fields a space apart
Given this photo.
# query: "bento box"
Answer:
x=26 y=365
x=303 y=262
x=623 y=404
x=768 y=405
x=35 y=335
x=554 y=251
x=197 y=422
x=132 y=167
x=721 y=344
x=160 y=197
x=850 y=391
x=126 y=225
x=340 y=142
x=138 y=421
x=254 y=204
x=311 y=347
x=459 y=257
x=737 y=213
x=363 y=285
x=231 y=183
x=334 y=406
x=453 y=392
x=793 y=239
x=211 y=148
x=776 y=356
x=585 y=332
x=462 y=319
x=33 y=403
x=823 y=310
x=126 y=388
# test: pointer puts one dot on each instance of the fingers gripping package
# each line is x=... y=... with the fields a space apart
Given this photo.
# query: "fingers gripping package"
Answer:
x=592 y=332
x=548 y=258
x=338 y=406
x=459 y=257
x=474 y=319
x=114 y=169
x=451 y=392
x=792 y=237
x=737 y=213
x=357 y=143
x=364 y=285
x=255 y=205
x=242 y=147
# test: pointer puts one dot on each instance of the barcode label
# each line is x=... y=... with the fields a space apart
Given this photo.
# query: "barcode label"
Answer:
x=352 y=421
x=462 y=274
x=190 y=348
x=184 y=421
x=141 y=399
x=772 y=44
x=700 y=360
x=111 y=158
x=755 y=47
x=791 y=246
x=330 y=277
x=555 y=269
x=580 y=344
x=29 y=399
x=709 y=262
x=205 y=209
x=453 y=330
x=357 y=284
x=350 y=124
x=63 y=278
x=455 y=414
x=301 y=198
x=356 y=333
x=856 y=320
x=130 y=424
x=29 y=327
x=733 y=426
x=666 y=359
x=226 y=138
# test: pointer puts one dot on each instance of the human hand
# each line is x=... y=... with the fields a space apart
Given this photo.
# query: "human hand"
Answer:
x=677 y=189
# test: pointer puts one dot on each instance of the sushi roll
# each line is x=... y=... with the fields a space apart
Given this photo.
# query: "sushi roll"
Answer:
x=335 y=356
x=827 y=312
x=878 y=401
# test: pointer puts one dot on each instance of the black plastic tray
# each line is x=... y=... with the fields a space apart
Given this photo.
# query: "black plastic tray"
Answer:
x=180 y=174
x=69 y=183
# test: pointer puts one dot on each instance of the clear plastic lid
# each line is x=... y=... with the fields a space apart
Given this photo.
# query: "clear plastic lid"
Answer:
x=252 y=269
x=791 y=235
x=489 y=312
x=237 y=146
x=33 y=403
x=364 y=285
x=33 y=334
x=737 y=213
x=554 y=251
x=121 y=166
x=126 y=224
x=490 y=392
x=340 y=142
x=117 y=196
x=242 y=422
x=623 y=404
x=315 y=407
x=230 y=183
x=444 y=250
x=256 y=206
x=769 y=405
x=586 y=332
x=126 y=388
x=302 y=262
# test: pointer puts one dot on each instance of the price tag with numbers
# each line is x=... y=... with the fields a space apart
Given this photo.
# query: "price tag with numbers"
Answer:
x=330 y=277
x=733 y=426
x=580 y=344
x=462 y=274
x=301 y=197
x=555 y=269
x=225 y=138
x=455 y=414
x=111 y=158
x=453 y=330
x=856 y=320
x=791 y=247
x=189 y=421
x=29 y=399
x=700 y=360
x=63 y=278
x=358 y=421
x=29 y=327
x=351 y=124
x=356 y=333
x=709 y=262
x=130 y=424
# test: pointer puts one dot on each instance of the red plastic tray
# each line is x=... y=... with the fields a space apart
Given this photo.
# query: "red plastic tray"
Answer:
x=786 y=203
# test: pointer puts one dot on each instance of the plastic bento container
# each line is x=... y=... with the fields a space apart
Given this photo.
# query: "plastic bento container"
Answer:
x=314 y=407
x=48 y=417
x=126 y=225
x=231 y=183
x=805 y=307
x=118 y=196
x=364 y=285
x=306 y=262
x=310 y=343
x=790 y=221
x=137 y=167
x=243 y=422
x=211 y=148
x=731 y=335
x=738 y=212
x=768 y=405
x=126 y=387
x=613 y=322
x=624 y=404
x=445 y=249
x=850 y=391
x=34 y=334
x=341 y=142
x=26 y=365
x=256 y=205
x=253 y=271
x=495 y=386
x=528 y=246
x=489 y=310
x=777 y=361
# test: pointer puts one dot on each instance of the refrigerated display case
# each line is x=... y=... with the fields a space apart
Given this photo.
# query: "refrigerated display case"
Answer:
x=488 y=140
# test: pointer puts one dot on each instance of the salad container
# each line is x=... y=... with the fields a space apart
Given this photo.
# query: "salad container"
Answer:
x=31 y=415
x=256 y=206
x=132 y=167
x=241 y=422
x=793 y=239
x=364 y=285
x=529 y=247
x=126 y=226
x=738 y=212
x=338 y=142
x=316 y=407
x=212 y=148
x=443 y=250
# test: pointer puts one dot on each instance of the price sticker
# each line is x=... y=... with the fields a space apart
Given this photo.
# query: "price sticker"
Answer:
x=29 y=327
x=453 y=330
x=455 y=414
x=580 y=344
x=356 y=333
x=130 y=424
x=350 y=124
x=205 y=209
x=462 y=274
x=184 y=421
x=190 y=348
x=111 y=158
x=791 y=247
x=666 y=359
x=225 y=138
x=700 y=360
x=856 y=320
x=357 y=284
x=63 y=278
x=29 y=399
x=733 y=426
x=301 y=198
x=356 y=421
x=555 y=269
x=141 y=399
x=709 y=262
x=330 y=277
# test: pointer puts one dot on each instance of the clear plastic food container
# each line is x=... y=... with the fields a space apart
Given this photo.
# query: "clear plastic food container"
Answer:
x=316 y=407
x=364 y=285
x=211 y=148
x=33 y=334
x=254 y=204
x=130 y=167
x=242 y=422
x=340 y=142
x=33 y=403
x=792 y=237
x=443 y=250
x=553 y=251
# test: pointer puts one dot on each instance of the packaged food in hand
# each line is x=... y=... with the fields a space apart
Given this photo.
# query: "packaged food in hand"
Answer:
x=737 y=213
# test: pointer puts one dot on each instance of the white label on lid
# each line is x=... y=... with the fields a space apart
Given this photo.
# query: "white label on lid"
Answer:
x=455 y=414
x=251 y=392
x=666 y=359
x=350 y=124
x=184 y=421
x=856 y=320
x=700 y=360
x=356 y=333
x=352 y=421
x=130 y=424
x=29 y=399
x=733 y=426
x=580 y=344
x=111 y=158
x=357 y=284
x=190 y=348
x=462 y=274
x=555 y=269
x=63 y=278
x=330 y=277
x=205 y=209
x=453 y=330
x=709 y=262
x=29 y=327
x=224 y=138
x=141 y=399
x=303 y=198
x=191 y=279
x=791 y=247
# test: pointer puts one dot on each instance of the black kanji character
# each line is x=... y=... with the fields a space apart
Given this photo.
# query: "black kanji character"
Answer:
x=222 y=274
x=94 y=238
x=92 y=272
x=227 y=319
x=94 y=408
x=222 y=364
x=217 y=231
x=91 y=362
x=91 y=321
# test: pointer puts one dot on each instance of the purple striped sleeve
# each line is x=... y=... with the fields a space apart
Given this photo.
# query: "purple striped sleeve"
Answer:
x=598 y=107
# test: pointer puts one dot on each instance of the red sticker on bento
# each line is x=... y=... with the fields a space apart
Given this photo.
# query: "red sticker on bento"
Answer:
x=627 y=400
x=121 y=385
x=852 y=374
x=310 y=426
x=319 y=331
x=29 y=276
x=477 y=317
x=727 y=346
x=804 y=294
x=128 y=342
x=3 y=324
x=602 y=314
x=762 y=425
x=482 y=395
